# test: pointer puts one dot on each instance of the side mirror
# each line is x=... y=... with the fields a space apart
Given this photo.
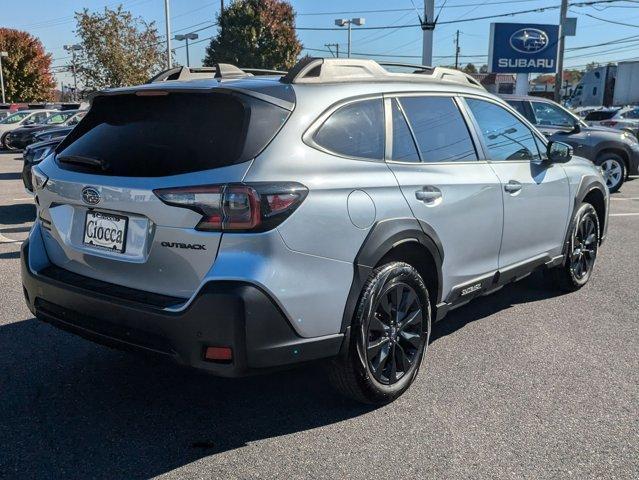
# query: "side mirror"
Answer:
x=576 y=128
x=558 y=152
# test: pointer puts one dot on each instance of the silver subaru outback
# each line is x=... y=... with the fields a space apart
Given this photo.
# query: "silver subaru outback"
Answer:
x=242 y=223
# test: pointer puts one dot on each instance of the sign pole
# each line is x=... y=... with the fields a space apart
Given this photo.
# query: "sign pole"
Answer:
x=521 y=84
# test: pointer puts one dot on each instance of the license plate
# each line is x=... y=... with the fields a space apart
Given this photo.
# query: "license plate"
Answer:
x=105 y=231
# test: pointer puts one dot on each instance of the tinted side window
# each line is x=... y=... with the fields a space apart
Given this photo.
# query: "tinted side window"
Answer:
x=355 y=130
x=440 y=130
x=549 y=114
x=520 y=106
x=404 y=149
x=506 y=137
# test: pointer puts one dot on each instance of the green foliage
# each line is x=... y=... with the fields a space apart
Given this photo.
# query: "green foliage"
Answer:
x=256 y=33
x=117 y=49
x=470 y=68
x=26 y=71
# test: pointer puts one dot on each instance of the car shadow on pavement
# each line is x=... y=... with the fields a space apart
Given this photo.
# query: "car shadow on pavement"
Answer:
x=533 y=288
x=72 y=408
x=17 y=214
x=69 y=408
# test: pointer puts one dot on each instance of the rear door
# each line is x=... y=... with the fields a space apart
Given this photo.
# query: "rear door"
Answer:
x=101 y=217
x=535 y=193
x=433 y=156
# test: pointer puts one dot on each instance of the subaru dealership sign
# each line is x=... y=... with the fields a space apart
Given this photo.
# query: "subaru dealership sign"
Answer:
x=523 y=48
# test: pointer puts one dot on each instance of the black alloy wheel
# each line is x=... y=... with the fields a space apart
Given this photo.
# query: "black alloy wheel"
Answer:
x=585 y=241
x=394 y=333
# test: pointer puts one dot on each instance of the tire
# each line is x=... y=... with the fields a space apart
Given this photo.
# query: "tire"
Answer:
x=613 y=169
x=582 y=251
x=387 y=343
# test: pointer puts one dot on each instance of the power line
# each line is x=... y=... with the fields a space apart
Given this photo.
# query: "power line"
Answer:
x=608 y=21
x=485 y=17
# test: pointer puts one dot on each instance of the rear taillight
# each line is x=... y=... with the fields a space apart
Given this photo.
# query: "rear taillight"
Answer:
x=240 y=207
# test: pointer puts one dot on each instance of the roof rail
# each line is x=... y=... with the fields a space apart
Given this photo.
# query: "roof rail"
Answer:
x=330 y=70
x=263 y=71
x=219 y=70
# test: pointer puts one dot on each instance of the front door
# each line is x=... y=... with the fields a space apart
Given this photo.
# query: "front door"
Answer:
x=535 y=193
x=433 y=156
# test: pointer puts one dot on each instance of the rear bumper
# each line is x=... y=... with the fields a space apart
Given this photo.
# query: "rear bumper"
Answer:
x=633 y=161
x=223 y=314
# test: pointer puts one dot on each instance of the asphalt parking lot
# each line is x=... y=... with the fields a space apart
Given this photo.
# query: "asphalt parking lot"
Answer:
x=522 y=384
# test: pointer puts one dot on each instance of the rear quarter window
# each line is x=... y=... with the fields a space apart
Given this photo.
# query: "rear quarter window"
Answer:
x=355 y=130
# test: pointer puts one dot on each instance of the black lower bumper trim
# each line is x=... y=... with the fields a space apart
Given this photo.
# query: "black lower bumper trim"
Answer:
x=224 y=313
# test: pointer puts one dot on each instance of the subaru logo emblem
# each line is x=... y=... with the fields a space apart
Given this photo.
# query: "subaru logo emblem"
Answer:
x=90 y=196
x=529 y=40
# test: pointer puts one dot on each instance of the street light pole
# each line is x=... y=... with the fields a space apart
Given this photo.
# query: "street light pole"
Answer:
x=2 y=54
x=341 y=22
x=187 y=37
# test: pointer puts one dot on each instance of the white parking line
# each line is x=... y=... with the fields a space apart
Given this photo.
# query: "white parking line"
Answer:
x=623 y=214
x=621 y=198
x=22 y=199
x=4 y=239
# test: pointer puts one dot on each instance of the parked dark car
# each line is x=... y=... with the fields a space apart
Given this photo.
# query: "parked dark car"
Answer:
x=34 y=154
x=20 y=138
x=615 y=152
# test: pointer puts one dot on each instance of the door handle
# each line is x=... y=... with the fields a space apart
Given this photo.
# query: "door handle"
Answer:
x=512 y=186
x=428 y=194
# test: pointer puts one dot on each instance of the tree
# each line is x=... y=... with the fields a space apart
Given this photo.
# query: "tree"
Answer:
x=483 y=69
x=592 y=66
x=117 y=49
x=255 y=33
x=26 y=70
x=470 y=68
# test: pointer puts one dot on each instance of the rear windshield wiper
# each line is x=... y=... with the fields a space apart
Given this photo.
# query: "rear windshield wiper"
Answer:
x=84 y=161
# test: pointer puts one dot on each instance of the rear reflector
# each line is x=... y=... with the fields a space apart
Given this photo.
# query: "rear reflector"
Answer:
x=218 y=354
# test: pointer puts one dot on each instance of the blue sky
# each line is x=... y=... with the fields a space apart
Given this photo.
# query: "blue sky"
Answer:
x=52 y=21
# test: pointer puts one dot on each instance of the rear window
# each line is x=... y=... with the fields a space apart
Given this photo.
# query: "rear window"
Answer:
x=152 y=136
x=597 y=116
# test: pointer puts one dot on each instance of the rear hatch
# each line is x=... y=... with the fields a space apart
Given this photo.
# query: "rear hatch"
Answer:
x=100 y=215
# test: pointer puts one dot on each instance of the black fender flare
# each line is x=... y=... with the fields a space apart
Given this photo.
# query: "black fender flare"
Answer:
x=381 y=239
x=587 y=184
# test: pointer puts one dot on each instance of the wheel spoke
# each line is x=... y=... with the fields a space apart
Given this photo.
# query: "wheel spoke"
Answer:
x=376 y=346
x=382 y=359
x=385 y=303
x=413 y=318
x=411 y=338
x=402 y=357
x=377 y=324
x=392 y=376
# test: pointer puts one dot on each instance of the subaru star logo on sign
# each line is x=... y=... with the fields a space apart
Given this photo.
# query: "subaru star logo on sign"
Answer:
x=90 y=196
x=529 y=40
x=523 y=48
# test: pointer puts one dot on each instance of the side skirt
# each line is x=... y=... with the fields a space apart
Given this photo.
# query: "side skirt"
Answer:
x=490 y=283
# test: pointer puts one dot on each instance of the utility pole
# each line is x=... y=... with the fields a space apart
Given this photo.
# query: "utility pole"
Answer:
x=457 y=50
x=428 y=26
x=167 y=17
x=340 y=22
x=2 y=54
x=73 y=49
x=336 y=45
x=559 y=78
